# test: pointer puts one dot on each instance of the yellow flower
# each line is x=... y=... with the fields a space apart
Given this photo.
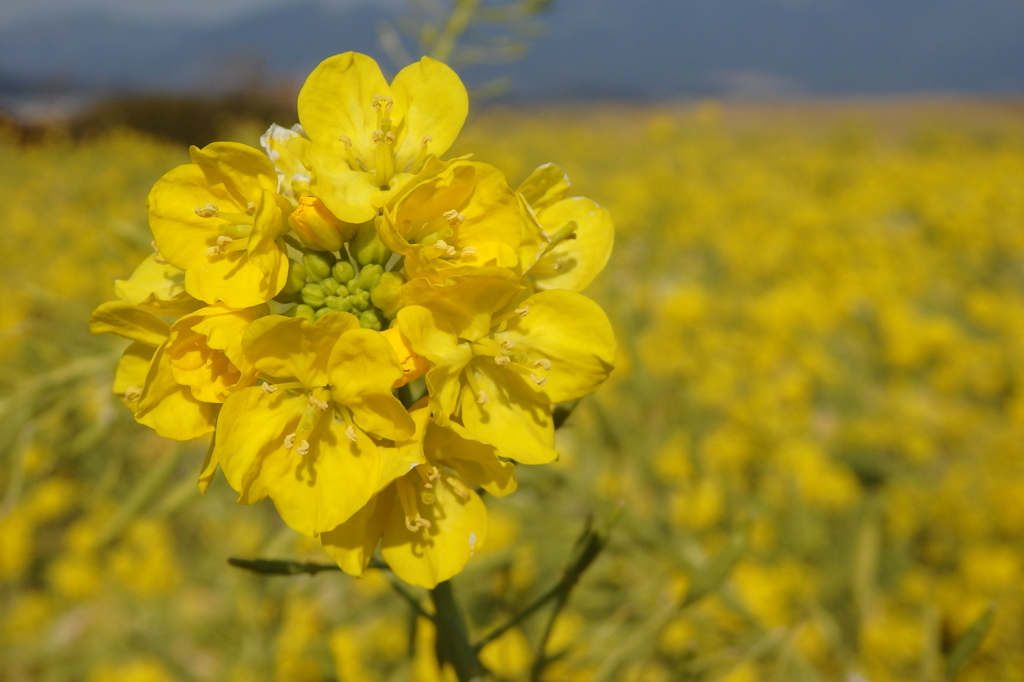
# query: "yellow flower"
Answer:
x=502 y=364
x=413 y=365
x=205 y=351
x=429 y=521
x=451 y=215
x=309 y=437
x=144 y=378
x=219 y=220
x=290 y=171
x=317 y=227
x=581 y=233
x=366 y=137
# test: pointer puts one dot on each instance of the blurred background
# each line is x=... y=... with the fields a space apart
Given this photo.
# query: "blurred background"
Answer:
x=817 y=419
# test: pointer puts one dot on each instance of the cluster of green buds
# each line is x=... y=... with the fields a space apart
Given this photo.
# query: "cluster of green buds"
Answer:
x=322 y=283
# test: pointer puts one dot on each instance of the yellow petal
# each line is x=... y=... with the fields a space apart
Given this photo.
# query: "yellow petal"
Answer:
x=512 y=418
x=363 y=368
x=337 y=99
x=572 y=264
x=208 y=469
x=169 y=408
x=349 y=194
x=458 y=529
x=568 y=342
x=131 y=371
x=464 y=302
x=352 y=543
x=435 y=103
x=231 y=278
x=158 y=288
x=545 y=186
x=118 y=317
x=293 y=348
x=434 y=339
x=476 y=462
x=243 y=170
x=180 y=234
x=313 y=492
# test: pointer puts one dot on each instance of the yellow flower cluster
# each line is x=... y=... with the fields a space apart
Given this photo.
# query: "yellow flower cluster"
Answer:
x=370 y=333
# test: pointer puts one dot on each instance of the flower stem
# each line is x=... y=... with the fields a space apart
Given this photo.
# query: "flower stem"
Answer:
x=453 y=645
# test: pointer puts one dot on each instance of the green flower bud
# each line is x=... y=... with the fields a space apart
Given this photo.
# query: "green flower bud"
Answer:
x=302 y=310
x=369 y=275
x=370 y=319
x=313 y=295
x=353 y=286
x=331 y=286
x=318 y=264
x=367 y=247
x=360 y=301
x=296 y=278
x=339 y=303
x=343 y=271
x=323 y=311
x=330 y=301
x=386 y=295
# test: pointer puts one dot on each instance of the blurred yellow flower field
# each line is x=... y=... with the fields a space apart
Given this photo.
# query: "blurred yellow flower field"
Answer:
x=821 y=337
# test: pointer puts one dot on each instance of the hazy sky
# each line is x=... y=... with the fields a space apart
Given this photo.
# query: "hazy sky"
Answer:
x=13 y=12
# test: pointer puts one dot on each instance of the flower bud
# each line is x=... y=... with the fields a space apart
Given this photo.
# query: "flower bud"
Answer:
x=367 y=247
x=353 y=286
x=318 y=228
x=320 y=313
x=296 y=278
x=343 y=271
x=332 y=286
x=369 y=275
x=370 y=319
x=302 y=310
x=386 y=295
x=318 y=264
x=339 y=303
x=360 y=301
x=313 y=295
x=413 y=366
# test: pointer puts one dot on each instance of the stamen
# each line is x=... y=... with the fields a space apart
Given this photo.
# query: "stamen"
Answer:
x=389 y=137
x=481 y=398
x=303 y=448
x=268 y=388
x=318 y=404
x=345 y=140
x=207 y=211
x=507 y=344
x=156 y=253
x=378 y=99
x=557 y=265
x=543 y=363
x=522 y=312
x=443 y=246
x=213 y=251
x=224 y=239
x=425 y=140
x=468 y=251
x=502 y=360
x=351 y=434
x=453 y=217
x=289 y=441
x=378 y=137
x=460 y=489
x=132 y=393
x=250 y=208
x=539 y=380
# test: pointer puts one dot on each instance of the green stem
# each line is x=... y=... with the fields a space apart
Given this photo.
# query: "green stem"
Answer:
x=452 y=641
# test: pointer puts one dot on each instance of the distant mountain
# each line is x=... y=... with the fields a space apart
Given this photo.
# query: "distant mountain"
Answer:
x=591 y=48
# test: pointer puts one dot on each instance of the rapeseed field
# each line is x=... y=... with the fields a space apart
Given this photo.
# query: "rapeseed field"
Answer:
x=813 y=442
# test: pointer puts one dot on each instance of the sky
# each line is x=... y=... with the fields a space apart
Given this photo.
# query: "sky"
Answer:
x=14 y=12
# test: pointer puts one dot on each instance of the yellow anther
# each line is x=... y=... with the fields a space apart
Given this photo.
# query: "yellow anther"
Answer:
x=250 y=208
x=345 y=140
x=539 y=380
x=378 y=100
x=416 y=523
x=501 y=360
x=557 y=265
x=425 y=140
x=453 y=217
x=434 y=473
x=428 y=498
x=389 y=137
x=523 y=312
x=268 y=388
x=303 y=448
x=132 y=393
x=207 y=211
x=468 y=251
x=213 y=251
x=507 y=344
x=318 y=404
x=224 y=239
x=481 y=398
x=543 y=363
x=378 y=137
x=351 y=434
x=289 y=441
x=444 y=247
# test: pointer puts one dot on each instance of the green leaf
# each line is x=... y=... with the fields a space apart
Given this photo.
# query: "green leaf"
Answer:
x=713 y=573
x=969 y=642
